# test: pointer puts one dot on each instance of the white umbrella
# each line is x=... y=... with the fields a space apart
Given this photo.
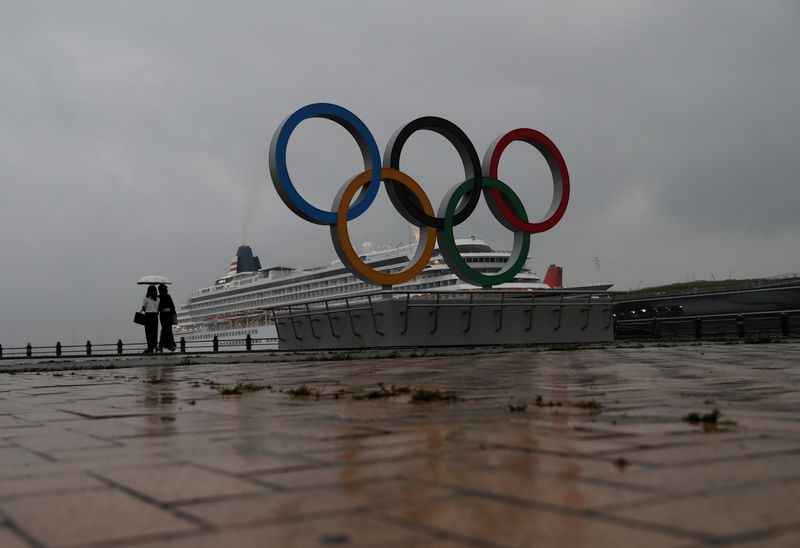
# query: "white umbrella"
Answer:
x=153 y=280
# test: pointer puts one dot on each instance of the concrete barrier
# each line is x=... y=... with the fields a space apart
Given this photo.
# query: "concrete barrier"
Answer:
x=455 y=318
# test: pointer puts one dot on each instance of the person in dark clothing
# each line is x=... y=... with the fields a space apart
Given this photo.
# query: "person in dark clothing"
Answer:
x=166 y=308
x=150 y=309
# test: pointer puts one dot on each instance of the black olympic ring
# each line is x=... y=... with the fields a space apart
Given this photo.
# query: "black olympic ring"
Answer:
x=404 y=200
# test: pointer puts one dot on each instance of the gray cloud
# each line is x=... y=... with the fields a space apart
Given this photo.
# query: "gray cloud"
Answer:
x=133 y=137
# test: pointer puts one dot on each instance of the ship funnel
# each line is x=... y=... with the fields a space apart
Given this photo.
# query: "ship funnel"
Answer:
x=246 y=261
x=554 y=276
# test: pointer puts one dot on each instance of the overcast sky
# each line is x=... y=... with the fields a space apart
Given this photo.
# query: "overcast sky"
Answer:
x=134 y=138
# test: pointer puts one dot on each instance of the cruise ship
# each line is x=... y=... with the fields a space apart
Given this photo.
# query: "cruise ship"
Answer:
x=240 y=303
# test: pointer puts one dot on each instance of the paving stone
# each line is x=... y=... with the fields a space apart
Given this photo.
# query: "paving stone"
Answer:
x=529 y=437
x=355 y=452
x=10 y=421
x=47 y=416
x=771 y=426
x=9 y=539
x=724 y=514
x=360 y=531
x=15 y=459
x=40 y=483
x=179 y=482
x=250 y=461
x=51 y=441
x=788 y=539
x=709 y=476
x=715 y=448
x=107 y=429
x=507 y=524
x=90 y=517
x=529 y=485
x=328 y=475
x=524 y=460
x=95 y=411
x=282 y=506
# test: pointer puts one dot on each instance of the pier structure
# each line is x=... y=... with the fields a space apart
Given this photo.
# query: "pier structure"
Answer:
x=447 y=318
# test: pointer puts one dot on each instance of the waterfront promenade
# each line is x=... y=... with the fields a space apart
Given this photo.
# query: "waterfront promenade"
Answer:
x=622 y=445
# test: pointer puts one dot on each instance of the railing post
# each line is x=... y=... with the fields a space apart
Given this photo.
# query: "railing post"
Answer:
x=248 y=342
x=740 y=326
x=698 y=328
x=372 y=312
x=88 y=348
x=29 y=350
x=784 y=324
x=557 y=314
x=119 y=346
x=500 y=323
x=216 y=344
x=468 y=312
x=330 y=320
x=405 y=325
x=58 y=349
x=183 y=345
x=435 y=313
x=294 y=323
x=350 y=315
x=1 y=350
x=311 y=322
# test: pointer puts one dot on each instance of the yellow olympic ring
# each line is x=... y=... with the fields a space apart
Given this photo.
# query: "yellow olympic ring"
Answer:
x=341 y=236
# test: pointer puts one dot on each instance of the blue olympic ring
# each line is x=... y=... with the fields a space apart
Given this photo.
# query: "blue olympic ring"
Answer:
x=280 y=172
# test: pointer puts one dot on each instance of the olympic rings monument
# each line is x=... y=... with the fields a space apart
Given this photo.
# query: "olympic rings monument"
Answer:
x=390 y=318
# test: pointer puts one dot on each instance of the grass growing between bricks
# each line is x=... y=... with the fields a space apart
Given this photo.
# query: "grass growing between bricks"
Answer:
x=422 y=395
x=709 y=421
x=590 y=405
x=238 y=389
x=541 y=403
x=383 y=392
x=299 y=392
x=156 y=380
x=516 y=407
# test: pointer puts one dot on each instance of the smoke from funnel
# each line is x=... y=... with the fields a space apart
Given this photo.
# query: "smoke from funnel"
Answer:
x=252 y=201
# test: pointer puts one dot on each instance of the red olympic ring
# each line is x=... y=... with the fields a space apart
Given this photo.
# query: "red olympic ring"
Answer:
x=558 y=167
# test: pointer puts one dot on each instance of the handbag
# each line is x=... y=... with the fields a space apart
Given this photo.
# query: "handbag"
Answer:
x=138 y=318
x=174 y=319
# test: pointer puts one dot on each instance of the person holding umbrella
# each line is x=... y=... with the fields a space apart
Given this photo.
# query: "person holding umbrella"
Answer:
x=166 y=312
x=150 y=310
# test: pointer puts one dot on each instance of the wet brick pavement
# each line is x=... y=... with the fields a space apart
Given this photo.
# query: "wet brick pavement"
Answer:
x=585 y=447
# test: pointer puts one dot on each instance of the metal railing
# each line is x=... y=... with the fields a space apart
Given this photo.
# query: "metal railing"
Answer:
x=713 y=326
x=89 y=349
x=783 y=323
x=498 y=299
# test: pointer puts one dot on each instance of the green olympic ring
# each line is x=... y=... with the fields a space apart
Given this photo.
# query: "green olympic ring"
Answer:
x=449 y=249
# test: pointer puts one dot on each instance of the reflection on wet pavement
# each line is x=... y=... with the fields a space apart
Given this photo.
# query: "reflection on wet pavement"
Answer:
x=587 y=447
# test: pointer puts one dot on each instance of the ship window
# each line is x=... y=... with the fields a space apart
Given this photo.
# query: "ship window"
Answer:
x=474 y=248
